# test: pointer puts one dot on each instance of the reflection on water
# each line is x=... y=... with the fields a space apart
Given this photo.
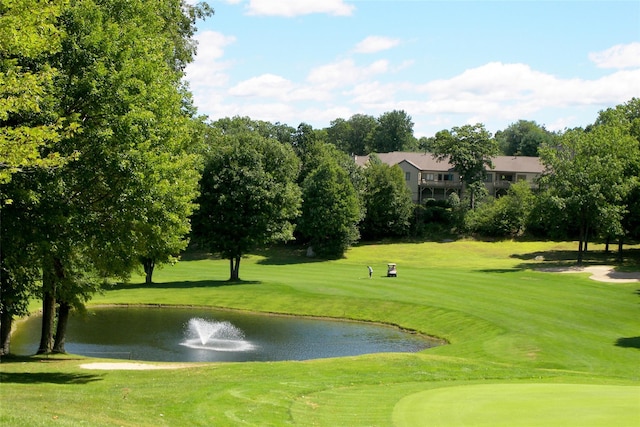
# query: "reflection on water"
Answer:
x=167 y=334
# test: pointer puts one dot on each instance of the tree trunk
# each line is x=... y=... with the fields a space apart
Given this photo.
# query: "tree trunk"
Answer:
x=49 y=281
x=234 y=266
x=61 y=330
x=6 y=321
x=620 y=242
x=586 y=239
x=606 y=245
x=51 y=270
x=580 y=243
x=48 y=317
x=149 y=264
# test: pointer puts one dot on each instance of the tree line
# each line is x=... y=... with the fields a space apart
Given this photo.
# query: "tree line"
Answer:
x=106 y=166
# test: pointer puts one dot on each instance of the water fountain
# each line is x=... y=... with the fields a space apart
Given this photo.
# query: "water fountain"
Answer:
x=214 y=336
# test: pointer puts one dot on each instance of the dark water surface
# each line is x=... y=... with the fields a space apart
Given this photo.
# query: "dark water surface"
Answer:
x=164 y=334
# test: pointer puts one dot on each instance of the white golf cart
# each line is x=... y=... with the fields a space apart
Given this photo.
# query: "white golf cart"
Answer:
x=391 y=270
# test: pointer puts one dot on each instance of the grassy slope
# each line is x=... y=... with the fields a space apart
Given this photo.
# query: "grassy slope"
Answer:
x=505 y=323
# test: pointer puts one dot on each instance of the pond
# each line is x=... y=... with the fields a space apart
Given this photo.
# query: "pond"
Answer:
x=206 y=335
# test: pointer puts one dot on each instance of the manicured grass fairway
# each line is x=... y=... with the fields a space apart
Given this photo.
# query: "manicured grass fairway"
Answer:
x=526 y=347
x=494 y=405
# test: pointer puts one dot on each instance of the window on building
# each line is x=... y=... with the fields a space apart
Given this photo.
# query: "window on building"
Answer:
x=407 y=176
x=506 y=177
x=427 y=177
x=488 y=178
x=522 y=177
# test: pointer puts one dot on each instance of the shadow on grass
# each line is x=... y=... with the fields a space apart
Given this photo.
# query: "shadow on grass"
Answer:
x=275 y=255
x=500 y=270
x=632 y=342
x=185 y=284
x=287 y=255
x=47 y=377
x=546 y=259
x=43 y=377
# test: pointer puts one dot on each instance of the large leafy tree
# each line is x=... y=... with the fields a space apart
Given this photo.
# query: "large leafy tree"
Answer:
x=394 y=132
x=128 y=190
x=248 y=196
x=627 y=117
x=469 y=149
x=387 y=201
x=506 y=216
x=29 y=122
x=119 y=68
x=523 y=138
x=353 y=136
x=331 y=209
x=587 y=175
x=19 y=261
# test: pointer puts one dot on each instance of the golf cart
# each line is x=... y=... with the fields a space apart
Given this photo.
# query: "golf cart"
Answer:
x=391 y=270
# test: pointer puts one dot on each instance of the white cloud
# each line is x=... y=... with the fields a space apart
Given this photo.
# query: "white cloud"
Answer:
x=291 y=8
x=207 y=69
x=619 y=56
x=266 y=85
x=277 y=88
x=345 y=73
x=374 y=44
x=208 y=74
x=509 y=92
x=494 y=81
x=529 y=89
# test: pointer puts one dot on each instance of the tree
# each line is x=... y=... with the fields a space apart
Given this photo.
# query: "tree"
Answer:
x=19 y=262
x=119 y=68
x=586 y=172
x=248 y=196
x=523 y=138
x=353 y=136
x=627 y=117
x=171 y=192
x=394 y=132
x=470 y=149
x=331 y=210
x=506 y=216
x=303 y=138
x=29 y=123
x=387 y=200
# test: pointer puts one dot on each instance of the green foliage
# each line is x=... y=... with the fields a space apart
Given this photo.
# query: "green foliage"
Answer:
x=331 y=209
x=388 y=203
x=248 y=195
x=523 y=138
x=126 y=186
x=394 y=132
x=469 y=149
x=432 y=219
x=549 y=219
x=355 y=135
x=29 y=119
x=303 y=139
x=506 y=216
x=588 y=177
x=627 y=116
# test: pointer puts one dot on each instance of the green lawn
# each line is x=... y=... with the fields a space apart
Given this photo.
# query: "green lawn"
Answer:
x=521 y=342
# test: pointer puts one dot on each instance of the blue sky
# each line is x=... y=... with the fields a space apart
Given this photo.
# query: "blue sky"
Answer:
x=446 y=63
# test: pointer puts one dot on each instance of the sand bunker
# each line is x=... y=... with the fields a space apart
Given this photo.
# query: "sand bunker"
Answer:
x=601 y=273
